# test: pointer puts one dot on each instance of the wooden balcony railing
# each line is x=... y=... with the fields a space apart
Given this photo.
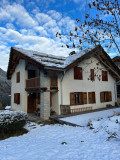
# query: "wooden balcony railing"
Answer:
x=33 y=83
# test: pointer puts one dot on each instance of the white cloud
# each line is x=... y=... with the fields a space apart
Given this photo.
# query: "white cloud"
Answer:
x=67 y=23
x=55 y=15
x=43 y=18
x=17 y=13
x=32 y=31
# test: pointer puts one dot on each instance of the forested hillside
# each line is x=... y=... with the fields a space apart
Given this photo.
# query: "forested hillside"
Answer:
x=5 y=86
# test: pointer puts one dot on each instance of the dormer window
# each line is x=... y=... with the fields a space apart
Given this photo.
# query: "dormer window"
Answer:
x=104 y=75
x=78 y=73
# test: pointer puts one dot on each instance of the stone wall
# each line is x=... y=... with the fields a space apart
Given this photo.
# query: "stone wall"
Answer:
x=45 y=96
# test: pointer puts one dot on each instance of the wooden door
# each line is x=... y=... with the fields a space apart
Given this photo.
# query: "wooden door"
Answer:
x=31 y=103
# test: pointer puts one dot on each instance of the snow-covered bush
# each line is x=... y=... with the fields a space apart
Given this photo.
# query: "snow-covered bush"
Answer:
x=11 y=121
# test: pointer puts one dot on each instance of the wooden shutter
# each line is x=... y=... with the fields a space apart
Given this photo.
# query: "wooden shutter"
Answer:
x=17 y=98
x=110 y=96
x=93 y=97
x=81 y=97
x=77 y=73
x=90 y=97
x=14 y=97
x=72 y=98
x=18 y=77
x=102 y=96
x=38 y=98
x=85 y=98
x=53 y=82
x=104 y=76
x=92 y=74
x=107 y=96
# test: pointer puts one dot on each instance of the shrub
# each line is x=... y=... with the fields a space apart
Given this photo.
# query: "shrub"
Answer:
x=12 y=121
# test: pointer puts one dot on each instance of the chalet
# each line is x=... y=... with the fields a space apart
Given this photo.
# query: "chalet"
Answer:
x=82 y=81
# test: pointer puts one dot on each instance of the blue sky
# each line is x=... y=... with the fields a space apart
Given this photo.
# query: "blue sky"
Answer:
x=32 y=24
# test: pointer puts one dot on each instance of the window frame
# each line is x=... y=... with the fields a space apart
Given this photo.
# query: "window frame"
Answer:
x=78 y=98
x=105 y=96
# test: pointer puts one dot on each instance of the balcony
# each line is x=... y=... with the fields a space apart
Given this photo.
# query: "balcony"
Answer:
x=33 y=83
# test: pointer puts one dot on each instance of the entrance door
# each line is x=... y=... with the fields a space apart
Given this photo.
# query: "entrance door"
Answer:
x=31 y=103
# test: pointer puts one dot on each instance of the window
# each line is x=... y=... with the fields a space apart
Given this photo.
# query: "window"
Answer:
x=17 y=77
x=53 y=82
x=78 y=73
x=105 y=96
x=91 y=97
x=17 y=98
x=78 y=98
x=104 y=76
x=92 y=75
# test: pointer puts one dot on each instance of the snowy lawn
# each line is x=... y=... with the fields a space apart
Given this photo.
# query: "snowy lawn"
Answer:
x=62 y=142
x=83 y=119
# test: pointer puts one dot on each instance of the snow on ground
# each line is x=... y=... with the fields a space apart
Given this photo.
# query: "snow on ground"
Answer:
x=85 y=118
x=82 y=143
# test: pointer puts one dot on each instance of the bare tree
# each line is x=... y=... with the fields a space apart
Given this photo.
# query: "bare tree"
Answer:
x=100 y=26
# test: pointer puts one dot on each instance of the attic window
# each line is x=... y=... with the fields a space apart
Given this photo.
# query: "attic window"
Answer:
x=104 y=76
x=78 y=73
x=17 y=77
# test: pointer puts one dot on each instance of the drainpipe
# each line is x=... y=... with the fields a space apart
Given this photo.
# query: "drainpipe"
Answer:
x=61 y=87
x=115 y=92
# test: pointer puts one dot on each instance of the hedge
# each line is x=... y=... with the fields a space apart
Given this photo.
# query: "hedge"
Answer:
x=12 y=121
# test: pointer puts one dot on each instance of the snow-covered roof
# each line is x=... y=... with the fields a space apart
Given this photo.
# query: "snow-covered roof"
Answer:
x=49 y=60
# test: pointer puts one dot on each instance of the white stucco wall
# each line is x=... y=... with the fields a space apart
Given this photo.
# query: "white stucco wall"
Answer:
x=70 y=85
x=19 y=87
